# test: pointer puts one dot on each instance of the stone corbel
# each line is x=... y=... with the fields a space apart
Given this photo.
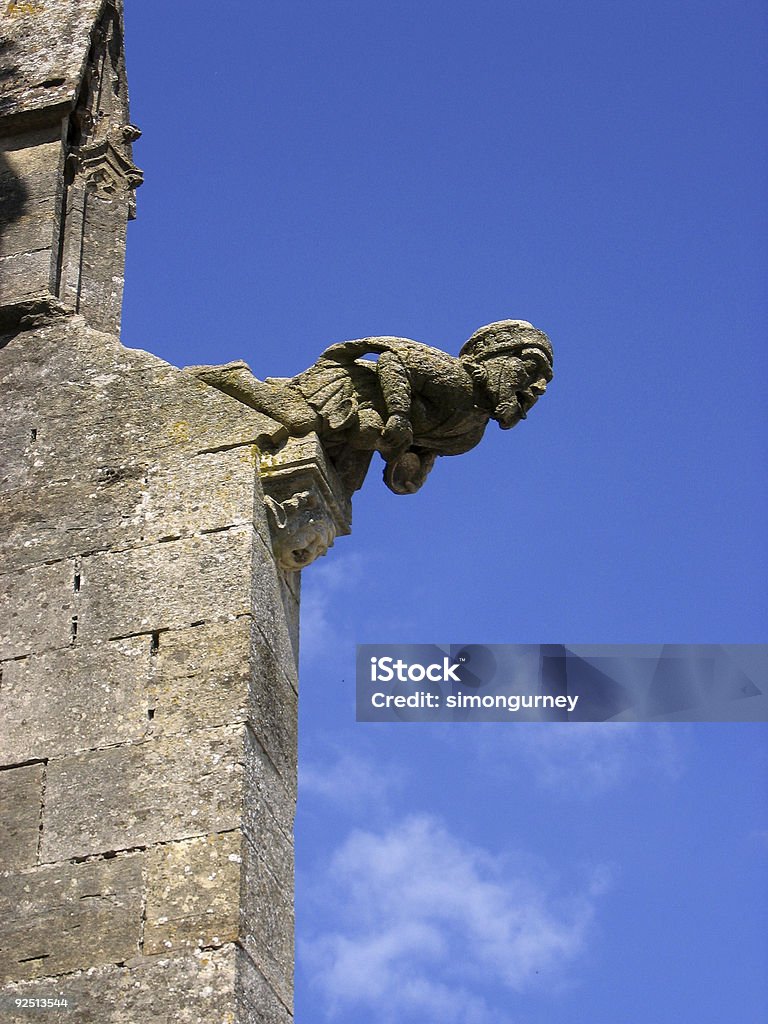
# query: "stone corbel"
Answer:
x=108 y=169
x=306 y=505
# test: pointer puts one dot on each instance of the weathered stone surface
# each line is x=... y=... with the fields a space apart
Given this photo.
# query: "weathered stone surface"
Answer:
x=193 y=893
x=134 y=795
x=167 y=585
x=47 y=711
x=144 y=733
x=199 y=677
x=37 y=610
x=197 y=988
x=267 y=894
x=273 y=708
x=172 y=495
x=290 y=599
x=268 y=810
x=17 y=433
x=191 y=493
x=135 y=554
x=267 y=909
x=24 y=275
x=29 y=168
x=102 y=411
x=46 y=44
x=21 y=791
x=69 y=916
x=275 y=607
x=256 y=1000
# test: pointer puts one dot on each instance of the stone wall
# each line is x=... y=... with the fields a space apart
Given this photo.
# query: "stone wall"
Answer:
x=149 y=691
x=30 y=168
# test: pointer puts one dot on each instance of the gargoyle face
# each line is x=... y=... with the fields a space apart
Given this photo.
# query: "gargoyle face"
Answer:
x=301 y=530
x=515 y=384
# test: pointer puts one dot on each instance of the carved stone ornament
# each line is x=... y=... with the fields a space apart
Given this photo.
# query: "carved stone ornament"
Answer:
x=100 y=141
x=305 y=502
x=411 y=403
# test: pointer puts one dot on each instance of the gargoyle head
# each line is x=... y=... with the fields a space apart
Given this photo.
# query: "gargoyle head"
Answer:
x=301 y=530
x=512 y=362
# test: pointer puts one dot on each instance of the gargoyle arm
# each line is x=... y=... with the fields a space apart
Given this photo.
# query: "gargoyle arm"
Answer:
x=394 y=381
x=395 y=384
x=348 y=351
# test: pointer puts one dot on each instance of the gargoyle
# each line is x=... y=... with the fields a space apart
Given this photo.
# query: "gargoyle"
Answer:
x=301 y=529
x=410 y=402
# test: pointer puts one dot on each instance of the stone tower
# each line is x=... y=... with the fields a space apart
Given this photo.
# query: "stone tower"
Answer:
x=147 y=636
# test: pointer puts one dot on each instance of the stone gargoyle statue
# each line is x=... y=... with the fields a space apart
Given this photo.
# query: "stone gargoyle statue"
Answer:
x=408 y=401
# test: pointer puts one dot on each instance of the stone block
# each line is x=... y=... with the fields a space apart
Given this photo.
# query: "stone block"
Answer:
x=103 y=405
x=21 y=791
x=267 y=912
x=205 y=491
x=69 y=916
x=18 y=455
x=24 y=276
x=199 y=677
x=268 y=870
x=290 y=600
x=166 y=495
x=273 y=709
x=272 y=602
x=256 y=1000
x=134 y=795
x=166 y=585
x=29 y=166
x=46 y=45
x=48 y=712
x=190 y=989
x=193 y=893
x=269 y=807
x=37 y=608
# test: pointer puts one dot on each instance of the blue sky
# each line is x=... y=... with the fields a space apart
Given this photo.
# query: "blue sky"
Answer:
x=317 y=172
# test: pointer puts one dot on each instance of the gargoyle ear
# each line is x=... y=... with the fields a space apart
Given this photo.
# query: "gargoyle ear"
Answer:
x=541 y=356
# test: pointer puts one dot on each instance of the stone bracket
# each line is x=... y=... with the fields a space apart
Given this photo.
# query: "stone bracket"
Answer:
x=305 y=500
x=109 y=170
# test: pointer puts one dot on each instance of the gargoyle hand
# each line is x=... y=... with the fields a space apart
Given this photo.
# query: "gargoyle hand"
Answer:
x=397 y=432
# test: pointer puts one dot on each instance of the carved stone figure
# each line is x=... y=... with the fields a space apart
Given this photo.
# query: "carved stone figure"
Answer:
x=411 y=402
x=302 y=529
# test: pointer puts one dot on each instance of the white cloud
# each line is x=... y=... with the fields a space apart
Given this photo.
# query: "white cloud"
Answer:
x=350 y=781
x=590 y=758
x=416 y=924
x=330 y=578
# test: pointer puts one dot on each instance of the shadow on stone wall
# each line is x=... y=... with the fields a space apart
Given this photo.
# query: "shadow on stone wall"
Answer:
x=8 y=68
x=14 y=194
